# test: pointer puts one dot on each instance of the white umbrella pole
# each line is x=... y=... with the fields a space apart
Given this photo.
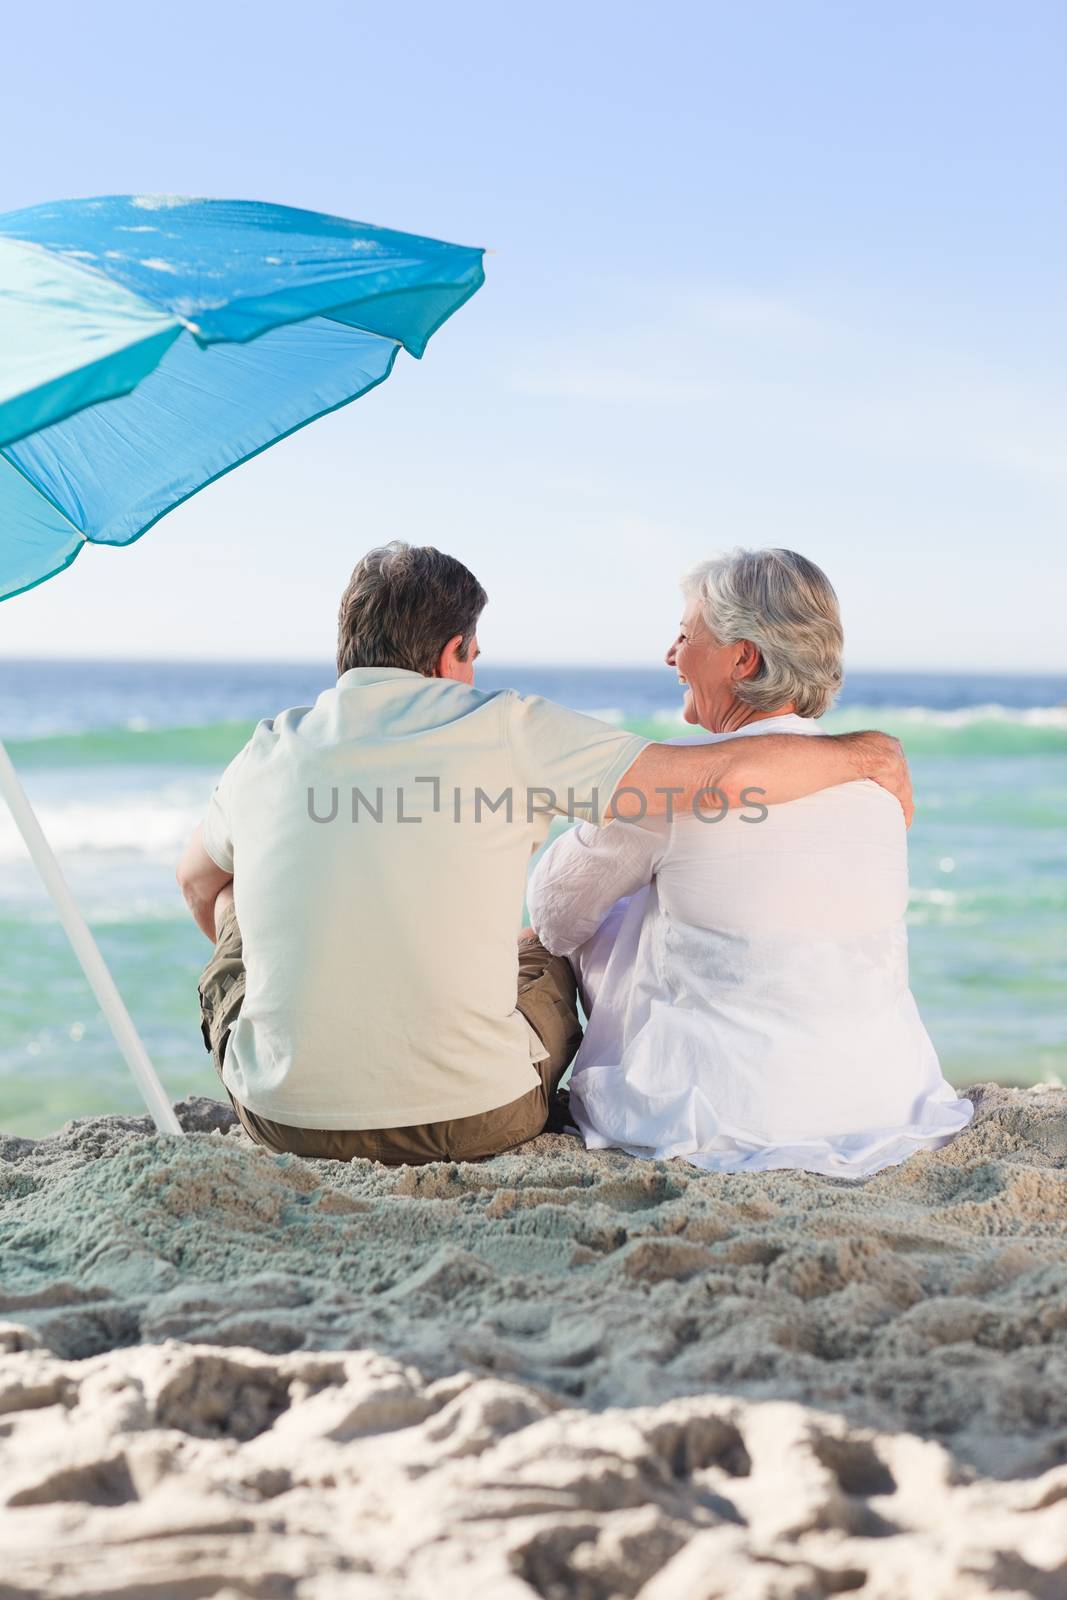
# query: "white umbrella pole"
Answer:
x=85 y=948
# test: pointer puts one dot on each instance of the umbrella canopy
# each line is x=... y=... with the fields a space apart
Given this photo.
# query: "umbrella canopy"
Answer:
x=151 y=343
x=148 y=344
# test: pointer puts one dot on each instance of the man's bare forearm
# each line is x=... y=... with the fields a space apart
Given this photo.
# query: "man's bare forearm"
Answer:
x=768 y=768
x=200 y=880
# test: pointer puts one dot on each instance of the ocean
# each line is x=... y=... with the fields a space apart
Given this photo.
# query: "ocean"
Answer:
x=120 y=757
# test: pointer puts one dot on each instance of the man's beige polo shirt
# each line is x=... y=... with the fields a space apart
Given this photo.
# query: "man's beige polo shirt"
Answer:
x=379 y=842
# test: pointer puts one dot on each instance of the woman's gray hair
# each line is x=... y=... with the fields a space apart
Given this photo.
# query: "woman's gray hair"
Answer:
x=785 y=606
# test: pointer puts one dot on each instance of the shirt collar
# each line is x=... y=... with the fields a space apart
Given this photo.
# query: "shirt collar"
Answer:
x=780 y=724
x=361 y=677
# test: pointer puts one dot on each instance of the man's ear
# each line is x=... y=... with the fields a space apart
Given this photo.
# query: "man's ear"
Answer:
x=450 y=661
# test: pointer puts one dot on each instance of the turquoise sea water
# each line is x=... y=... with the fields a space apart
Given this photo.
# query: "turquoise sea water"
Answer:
x=119 y=759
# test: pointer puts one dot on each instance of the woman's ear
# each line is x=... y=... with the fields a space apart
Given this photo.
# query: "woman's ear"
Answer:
x=748 y=661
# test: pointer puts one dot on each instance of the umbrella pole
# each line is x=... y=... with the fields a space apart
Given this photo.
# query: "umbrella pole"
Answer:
x=85 y=948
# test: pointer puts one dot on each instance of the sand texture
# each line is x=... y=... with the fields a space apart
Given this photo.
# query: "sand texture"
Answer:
x=558 y=1373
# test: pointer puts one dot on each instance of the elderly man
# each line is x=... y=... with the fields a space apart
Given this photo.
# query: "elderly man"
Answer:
x=748 y=985
x=362 y=867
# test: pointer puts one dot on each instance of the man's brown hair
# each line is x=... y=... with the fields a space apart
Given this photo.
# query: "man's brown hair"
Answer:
x=402 y=605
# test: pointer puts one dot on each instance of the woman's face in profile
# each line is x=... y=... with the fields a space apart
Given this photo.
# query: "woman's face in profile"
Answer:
x=707 y=670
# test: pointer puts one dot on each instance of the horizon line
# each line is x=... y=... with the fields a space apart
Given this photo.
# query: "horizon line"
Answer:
x=494 y=666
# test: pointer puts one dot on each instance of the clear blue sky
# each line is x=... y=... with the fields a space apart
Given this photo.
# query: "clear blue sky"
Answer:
x=788 y=273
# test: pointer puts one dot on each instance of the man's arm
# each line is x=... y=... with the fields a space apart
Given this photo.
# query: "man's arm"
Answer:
x=200 y=880
x=773 y=768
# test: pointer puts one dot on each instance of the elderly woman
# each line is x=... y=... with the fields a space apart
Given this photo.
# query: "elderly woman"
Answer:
x=745 y=973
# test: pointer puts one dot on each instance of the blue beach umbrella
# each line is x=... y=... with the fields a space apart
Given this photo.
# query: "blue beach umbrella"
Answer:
x=149 y=344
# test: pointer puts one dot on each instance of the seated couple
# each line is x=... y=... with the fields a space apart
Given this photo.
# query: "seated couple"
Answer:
x=731 y=909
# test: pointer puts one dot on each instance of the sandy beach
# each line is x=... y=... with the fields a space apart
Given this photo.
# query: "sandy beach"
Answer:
x=428 y=434
x=555 y=1373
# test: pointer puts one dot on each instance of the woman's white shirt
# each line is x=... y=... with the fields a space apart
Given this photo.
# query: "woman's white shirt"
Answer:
x=747 y=984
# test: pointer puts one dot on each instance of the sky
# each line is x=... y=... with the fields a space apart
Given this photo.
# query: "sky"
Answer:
x=778 y=274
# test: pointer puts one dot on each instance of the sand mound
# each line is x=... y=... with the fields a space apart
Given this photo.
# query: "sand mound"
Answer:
x=504 y=1312
x=182 y=1472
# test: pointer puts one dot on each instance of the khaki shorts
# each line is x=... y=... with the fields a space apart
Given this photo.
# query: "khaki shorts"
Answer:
x=547 y=998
